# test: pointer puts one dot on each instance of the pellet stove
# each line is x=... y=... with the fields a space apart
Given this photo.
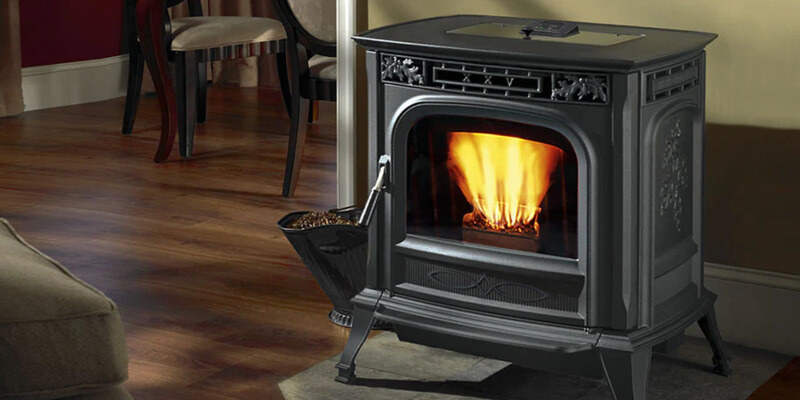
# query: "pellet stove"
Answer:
x=542 y=193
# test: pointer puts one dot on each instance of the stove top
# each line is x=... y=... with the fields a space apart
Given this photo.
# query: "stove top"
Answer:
x=524 y=41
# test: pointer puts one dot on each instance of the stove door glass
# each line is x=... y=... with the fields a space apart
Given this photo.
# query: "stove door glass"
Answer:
x=492 y=183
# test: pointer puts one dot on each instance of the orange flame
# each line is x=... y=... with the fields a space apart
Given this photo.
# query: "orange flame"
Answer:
x=504 y=178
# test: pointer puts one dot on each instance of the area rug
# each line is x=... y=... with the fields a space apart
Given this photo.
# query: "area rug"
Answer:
x=390 y=369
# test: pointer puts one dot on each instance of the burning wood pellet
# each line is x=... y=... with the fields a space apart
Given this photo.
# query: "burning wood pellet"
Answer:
x=477 y=221
x=476 y=229
x=319 y=218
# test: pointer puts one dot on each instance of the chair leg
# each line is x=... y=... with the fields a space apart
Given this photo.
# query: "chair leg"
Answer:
x=297 y=116
x=135 y=73
x=202 y=89
x=150 y=26
x=283 y=78
x=313 y=111
x=186 y=89
x=297 y=140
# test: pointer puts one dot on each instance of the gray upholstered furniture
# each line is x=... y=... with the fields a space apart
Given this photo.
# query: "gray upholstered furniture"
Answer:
x=59 y=337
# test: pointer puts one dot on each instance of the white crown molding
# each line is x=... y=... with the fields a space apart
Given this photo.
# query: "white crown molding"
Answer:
x=58 y=85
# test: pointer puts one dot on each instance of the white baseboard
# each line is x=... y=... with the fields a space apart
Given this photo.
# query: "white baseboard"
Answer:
x=756 y=308
x=753 y=276
x=79 y=82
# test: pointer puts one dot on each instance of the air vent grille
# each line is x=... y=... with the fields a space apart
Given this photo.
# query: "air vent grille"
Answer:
x=496 y=81
x=506 y=82
x=672 y=80
x=516 y=290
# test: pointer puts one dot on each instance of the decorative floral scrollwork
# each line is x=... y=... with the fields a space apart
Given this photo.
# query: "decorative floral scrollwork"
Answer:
x=398 y=69
x=675 y=178
x=508 y=290
x=571 y=87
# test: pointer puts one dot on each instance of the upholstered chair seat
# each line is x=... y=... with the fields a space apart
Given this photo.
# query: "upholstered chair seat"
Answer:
x=198 y=33
x=322 y=67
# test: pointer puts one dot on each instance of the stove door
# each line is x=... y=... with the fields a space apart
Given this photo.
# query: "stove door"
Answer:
x=488 y=212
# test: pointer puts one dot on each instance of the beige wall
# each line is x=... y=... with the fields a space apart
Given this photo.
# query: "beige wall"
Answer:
x=752 y=195
x=753 y=81
x=754 y=66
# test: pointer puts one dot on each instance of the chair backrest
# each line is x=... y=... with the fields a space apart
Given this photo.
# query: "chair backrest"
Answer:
x=317 y=17
x=195 y=6
x=313 y=22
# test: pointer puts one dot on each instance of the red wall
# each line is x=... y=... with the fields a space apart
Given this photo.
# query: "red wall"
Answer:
x=59 y=31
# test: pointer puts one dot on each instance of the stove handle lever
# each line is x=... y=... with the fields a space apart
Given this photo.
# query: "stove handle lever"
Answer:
x=376 y=192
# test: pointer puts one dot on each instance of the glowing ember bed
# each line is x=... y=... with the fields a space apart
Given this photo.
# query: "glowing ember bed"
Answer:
x=542 y=195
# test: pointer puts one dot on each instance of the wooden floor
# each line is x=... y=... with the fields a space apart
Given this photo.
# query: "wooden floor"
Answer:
x=785 y=385
x=216 y=304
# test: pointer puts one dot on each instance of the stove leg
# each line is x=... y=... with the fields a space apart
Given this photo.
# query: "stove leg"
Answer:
x=708 y=324
x=627 y=372
x=363 y=319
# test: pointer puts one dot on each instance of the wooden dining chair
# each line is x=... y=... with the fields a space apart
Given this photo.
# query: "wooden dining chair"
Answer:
x=136 y=64
x=189 y=43
x=310 y=27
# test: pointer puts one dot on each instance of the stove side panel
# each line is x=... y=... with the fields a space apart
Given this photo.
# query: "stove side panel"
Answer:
x=673 y=129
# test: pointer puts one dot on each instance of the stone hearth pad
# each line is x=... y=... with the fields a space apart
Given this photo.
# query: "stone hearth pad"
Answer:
x=390 y=369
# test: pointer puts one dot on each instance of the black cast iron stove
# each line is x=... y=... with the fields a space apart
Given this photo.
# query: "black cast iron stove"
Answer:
x=542 y=193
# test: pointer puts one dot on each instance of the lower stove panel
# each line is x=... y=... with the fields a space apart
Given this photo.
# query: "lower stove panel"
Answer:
x=500 y=290
x=513 y=283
